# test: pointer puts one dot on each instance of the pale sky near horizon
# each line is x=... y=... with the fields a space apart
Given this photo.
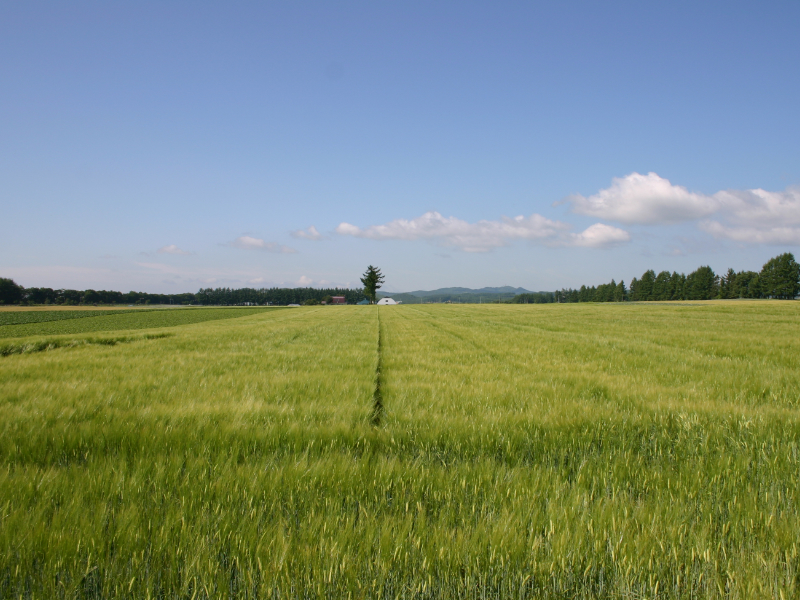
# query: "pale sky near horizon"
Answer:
x=165 y=147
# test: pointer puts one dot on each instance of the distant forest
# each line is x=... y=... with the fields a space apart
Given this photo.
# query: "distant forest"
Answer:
x=11 y=293
x=779 y=278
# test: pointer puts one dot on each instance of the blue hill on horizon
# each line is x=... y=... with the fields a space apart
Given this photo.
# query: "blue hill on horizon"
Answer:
x=457 y=291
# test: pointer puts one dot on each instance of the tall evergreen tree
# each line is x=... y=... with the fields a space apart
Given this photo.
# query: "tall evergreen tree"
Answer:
x=661 y=286
x=746 y=285
x=644 y=290
x=372 y=280
x=780 y=277
x=620 y=293
x=10 y=292
x=633 y=291
x=702 y=284
x=726 y=283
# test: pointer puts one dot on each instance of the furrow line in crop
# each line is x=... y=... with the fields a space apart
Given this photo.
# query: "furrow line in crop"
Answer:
x=437 y=324
x=376 y=417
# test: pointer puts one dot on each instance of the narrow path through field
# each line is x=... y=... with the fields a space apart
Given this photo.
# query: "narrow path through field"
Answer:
x=377 y=398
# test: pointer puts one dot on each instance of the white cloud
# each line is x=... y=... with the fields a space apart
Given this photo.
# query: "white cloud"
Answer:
x=470 y=237
x=747 y=216
x=486 y=235
x=250 y=243
x=774 y=236
x=644 y=199
x=304 y=281
x=308 y=234
x=599 y=235
x=172 y=249
x=761 y=208
x=757 y=217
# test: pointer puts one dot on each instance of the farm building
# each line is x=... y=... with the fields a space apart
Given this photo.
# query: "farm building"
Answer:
x=338 y=300
x=385 y=301
x=363 y=302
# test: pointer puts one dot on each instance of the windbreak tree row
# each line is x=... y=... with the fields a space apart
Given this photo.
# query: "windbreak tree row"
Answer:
x=779 y=278
x=12 y=293
x=279 y=296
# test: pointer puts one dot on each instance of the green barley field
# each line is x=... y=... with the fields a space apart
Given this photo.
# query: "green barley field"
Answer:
x=427 y=451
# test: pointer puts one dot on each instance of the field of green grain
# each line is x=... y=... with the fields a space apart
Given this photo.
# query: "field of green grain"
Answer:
x=31 y=323
x=428 y=451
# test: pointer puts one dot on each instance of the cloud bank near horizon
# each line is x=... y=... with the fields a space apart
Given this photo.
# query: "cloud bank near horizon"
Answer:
x=172 y=249
x=745 y=216
x=751 y=217
x=308 y=234
x=246 y=242
x=486 y=235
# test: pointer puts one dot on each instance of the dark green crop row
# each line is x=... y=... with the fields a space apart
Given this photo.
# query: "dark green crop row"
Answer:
x=124 y=320
x=42 y=316
x=29 y=347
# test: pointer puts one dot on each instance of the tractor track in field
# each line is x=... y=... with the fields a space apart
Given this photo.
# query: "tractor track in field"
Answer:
x=378 y=410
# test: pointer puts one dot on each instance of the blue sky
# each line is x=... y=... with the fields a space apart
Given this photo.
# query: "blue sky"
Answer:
x=165 y=147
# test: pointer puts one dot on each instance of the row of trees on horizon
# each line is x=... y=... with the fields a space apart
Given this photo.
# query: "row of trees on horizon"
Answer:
x=779 y=278
x=11 y=293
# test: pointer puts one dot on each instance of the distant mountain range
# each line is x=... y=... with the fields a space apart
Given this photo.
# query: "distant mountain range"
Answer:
x=457 y=294
x=453 y=291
